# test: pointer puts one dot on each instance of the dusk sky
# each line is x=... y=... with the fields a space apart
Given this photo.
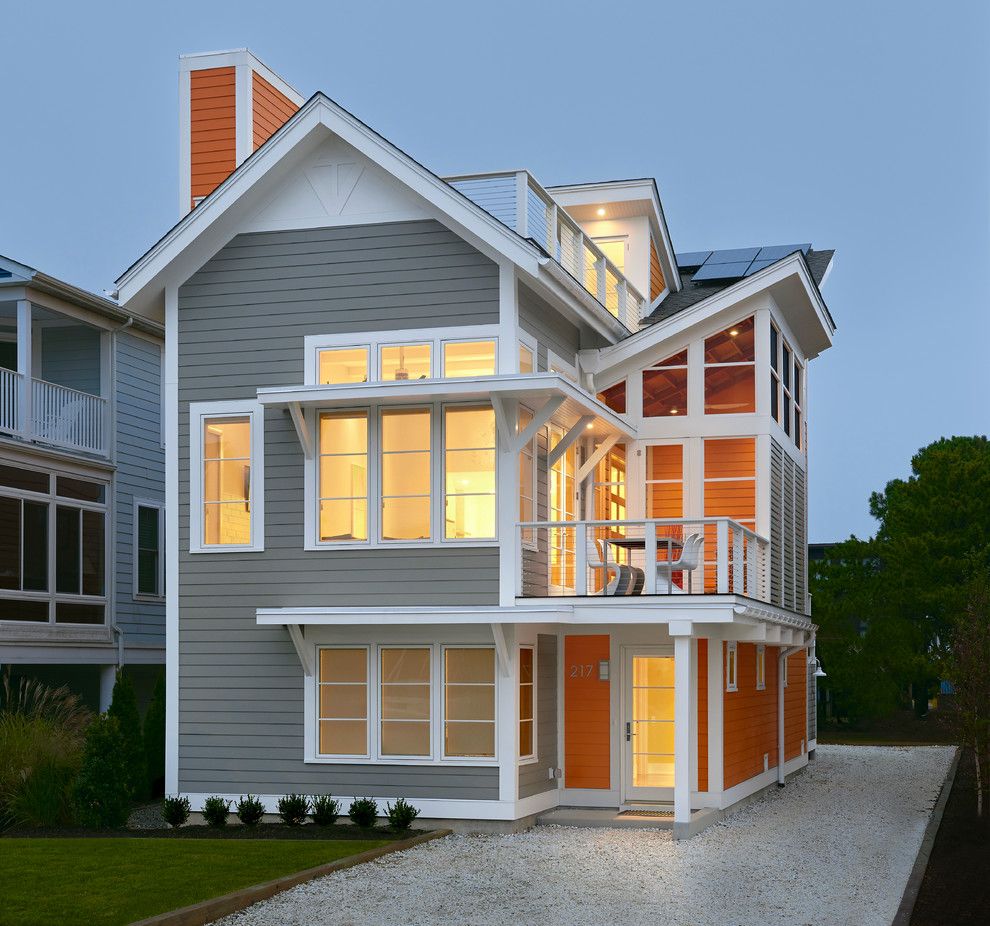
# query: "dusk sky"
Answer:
x=856 y=126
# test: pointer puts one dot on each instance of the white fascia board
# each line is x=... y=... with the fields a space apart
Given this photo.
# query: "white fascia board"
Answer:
x=520 y=386
x=321 y=111
x=646 y=340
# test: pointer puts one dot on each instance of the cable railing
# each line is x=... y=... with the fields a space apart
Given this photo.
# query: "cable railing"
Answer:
x=678 y=556
x=535 y=214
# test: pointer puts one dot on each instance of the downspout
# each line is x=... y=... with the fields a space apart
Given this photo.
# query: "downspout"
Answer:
x=784 y=653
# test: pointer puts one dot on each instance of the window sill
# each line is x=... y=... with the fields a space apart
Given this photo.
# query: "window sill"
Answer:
x=400 y=545
x=452 y=763
x=148 y=599
x=227 y=549
x=528 y=760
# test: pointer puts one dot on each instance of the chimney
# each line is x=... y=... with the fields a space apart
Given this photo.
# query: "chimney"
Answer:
x=230 y=104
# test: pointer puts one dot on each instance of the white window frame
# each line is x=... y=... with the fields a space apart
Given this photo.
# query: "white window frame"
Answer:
x=375 y=340
x=311 y=738
x=369 y=701
x=706 y=366
x=533 y=756
x=532 y=543
x=557 y=364
x=311 y=482
x=531 y=344
x=466 y=340
x=442 y=683
x=198 y=412
x=731 y=666
x=159 y=506
x=761 y=667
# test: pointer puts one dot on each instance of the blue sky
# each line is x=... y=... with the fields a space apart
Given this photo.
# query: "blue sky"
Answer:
x=857 y=126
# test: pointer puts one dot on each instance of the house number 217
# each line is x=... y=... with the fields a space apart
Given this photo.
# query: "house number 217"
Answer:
x=581 y=671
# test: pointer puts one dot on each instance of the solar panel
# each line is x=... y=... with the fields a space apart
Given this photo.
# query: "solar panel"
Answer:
x=728 y=271
x=733 y=256
x=692 y=258
x=777 y=251
x=758 y=265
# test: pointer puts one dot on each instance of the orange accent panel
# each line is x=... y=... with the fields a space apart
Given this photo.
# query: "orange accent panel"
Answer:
x=750 y=718
x=702 y=715
x=586 y=712
x=271 y=110
x=212 y=129
x=657 y=283
x=796 y=704
x=666 y=499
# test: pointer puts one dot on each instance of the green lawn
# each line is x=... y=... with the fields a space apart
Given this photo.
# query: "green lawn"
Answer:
x=104 y=882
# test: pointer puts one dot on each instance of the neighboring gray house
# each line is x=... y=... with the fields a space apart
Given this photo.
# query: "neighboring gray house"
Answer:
x=82 y=487
x=478 y=494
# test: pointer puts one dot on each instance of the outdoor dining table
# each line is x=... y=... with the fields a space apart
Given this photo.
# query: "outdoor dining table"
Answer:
x=639 y=543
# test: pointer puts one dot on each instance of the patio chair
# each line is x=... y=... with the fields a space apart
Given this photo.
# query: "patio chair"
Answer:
x=688 y=559
x=598 y=559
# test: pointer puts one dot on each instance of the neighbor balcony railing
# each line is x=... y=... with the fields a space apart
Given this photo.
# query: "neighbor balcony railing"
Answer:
x=53 y=414
x=517 y=199
x=680 y=556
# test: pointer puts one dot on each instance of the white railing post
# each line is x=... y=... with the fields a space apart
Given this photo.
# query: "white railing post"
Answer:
x=581 y=269
x=737 y=559
x=752 y=554
x=522 y=189
x=722 y=557
x=519 y=561
x=601 y=278
x=580 y=559
x=650 y=558
x=24 y=361
x=622 y=294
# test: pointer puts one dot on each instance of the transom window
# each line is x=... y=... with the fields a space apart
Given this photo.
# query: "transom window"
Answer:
x=730 y=370
x=468 y=358
x=406 y=361
x=344 y=365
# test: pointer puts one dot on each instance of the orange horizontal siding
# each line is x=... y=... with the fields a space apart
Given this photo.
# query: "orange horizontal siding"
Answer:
x=750 y=718
x=657 y=283
x=213 y=121
x=271 y=110
x=586 y=712
x=702 y=715
x=796 y=704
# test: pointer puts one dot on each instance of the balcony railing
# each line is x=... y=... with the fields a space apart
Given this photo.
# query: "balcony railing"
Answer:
x=53 y=414
x=704 y=556
x=521 y=203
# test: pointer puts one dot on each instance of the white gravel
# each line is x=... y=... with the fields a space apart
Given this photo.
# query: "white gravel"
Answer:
x=835 y=847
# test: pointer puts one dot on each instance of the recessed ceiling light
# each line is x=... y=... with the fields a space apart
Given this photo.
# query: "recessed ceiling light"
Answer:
x=673 y=411
x=601 y=210
x=590 y=426
x=733 y=332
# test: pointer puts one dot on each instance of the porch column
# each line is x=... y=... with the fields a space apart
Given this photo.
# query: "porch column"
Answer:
x=685 y=707
x=24 y=350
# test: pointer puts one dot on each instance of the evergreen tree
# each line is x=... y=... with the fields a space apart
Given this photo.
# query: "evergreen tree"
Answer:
x=124 y=709
x=101 y=792
x=154 y=739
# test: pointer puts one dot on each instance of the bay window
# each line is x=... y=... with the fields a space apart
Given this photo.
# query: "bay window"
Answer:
x=469 y=473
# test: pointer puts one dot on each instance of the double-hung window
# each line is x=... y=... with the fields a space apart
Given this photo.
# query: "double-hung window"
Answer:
x=527 y=702
x=225 y=472
x=149 y=545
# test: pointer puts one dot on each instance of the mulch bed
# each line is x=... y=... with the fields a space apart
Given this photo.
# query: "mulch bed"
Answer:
x=956 y=887
x=258 y=831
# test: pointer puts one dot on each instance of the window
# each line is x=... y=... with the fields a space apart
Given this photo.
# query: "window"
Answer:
x=614 y=397
x=343 y=365
x=53 y=548
x=468 y=358
x=527 y=703
x=730 y=385
x=343 y=476
x=527 y=480
x=615 y=250
x=404 y=725
x=469 y=473
x=562 y=508
x=469 y=702
x=731 y=666
x=761 y=667
x=406 y=361
x=149 y=572
x=729 y=491
x=226 y=500
x=774 y=374
x=665 y=387
x=786 y=376
x=527 y=360
x=406 y=474
x=343 y=701
x=609 y=488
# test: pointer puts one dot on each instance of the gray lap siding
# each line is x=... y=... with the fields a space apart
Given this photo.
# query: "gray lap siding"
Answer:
x=242 y=321
x=534 y=778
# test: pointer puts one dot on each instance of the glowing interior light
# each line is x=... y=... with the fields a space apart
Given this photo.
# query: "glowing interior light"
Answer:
x=673 y=411
x=601 y=211
x=733 y=332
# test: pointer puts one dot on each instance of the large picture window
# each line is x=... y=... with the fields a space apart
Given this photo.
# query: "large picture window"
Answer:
x=469 y=473
x=730 y=370
x=469 y=702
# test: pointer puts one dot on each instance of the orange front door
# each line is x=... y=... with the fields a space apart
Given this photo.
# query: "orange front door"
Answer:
x=586 y=712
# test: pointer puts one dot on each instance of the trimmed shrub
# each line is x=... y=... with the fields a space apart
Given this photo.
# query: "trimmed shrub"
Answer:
x=250 y=810
x=325 y=810
x=216 y=810
x=101 y=792
x=293 y=809
x=401 y=815
x=363 y=812
x=175 y=811
x=123 y=706
x=154 y=740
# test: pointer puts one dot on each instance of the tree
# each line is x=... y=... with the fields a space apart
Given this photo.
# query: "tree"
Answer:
x=967 y=668
x=124 y=709
x=101 y=792
x=154 y=739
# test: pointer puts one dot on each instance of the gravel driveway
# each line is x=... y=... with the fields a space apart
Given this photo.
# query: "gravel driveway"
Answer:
x=835 y=847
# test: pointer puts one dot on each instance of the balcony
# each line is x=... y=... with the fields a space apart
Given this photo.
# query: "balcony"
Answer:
x=516 y=199
x=672 y=558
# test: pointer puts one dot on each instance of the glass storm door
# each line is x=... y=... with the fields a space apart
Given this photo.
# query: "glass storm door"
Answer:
x=648 y=728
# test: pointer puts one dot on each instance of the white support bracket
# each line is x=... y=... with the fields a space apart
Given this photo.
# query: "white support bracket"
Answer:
x=501 y=650
x=540 y=418
x=302 y=650
x=589 y=465
x=561 y=447
x=302 y=429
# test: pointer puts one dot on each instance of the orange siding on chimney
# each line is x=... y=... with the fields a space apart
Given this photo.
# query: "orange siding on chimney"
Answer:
x=796 y=704
x=750 y=721
x=213 y=129
x=702 y=715
x=271 y=110
x=586 y=712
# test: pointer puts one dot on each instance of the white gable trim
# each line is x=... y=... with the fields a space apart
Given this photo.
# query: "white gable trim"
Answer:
x=321 y=111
